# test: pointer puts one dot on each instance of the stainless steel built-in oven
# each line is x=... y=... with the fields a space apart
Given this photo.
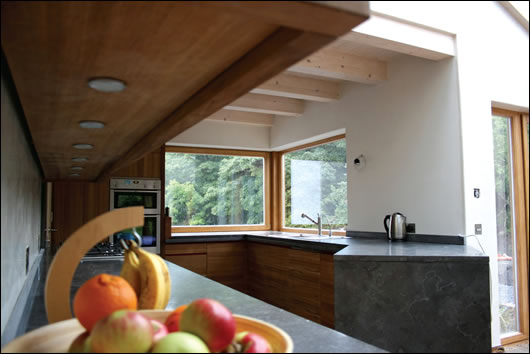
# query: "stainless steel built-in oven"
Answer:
x=126 y=192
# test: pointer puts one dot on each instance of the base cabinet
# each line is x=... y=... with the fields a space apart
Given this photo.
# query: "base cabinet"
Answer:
x=298 y=281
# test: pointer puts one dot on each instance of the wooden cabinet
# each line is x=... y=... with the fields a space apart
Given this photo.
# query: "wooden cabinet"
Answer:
x=77 y=202
x=224 y=262
x=227 y=264
x=298 y=281
x=268 y=279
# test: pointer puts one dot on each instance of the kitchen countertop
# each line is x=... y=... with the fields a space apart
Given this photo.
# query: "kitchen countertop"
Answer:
x=347 y=248
x=187 y=286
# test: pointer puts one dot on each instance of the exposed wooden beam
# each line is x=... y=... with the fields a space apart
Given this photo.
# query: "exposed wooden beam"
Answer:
x=332 y=20
x=280 y=50
x=252 y=102
x=303 y=88
x=249 y=118
x=333 y=64
x=386 y=32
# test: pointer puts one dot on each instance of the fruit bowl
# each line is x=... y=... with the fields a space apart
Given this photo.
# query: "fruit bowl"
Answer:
x=57 y=337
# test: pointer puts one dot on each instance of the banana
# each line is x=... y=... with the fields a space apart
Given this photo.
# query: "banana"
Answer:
x=154 y=277
x=167 y=280
x=130 y=271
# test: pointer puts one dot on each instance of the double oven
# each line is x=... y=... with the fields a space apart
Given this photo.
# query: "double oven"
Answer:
x=126 y=192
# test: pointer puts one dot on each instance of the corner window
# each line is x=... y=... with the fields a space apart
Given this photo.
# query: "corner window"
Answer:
x=314 y=180
x=213 y=190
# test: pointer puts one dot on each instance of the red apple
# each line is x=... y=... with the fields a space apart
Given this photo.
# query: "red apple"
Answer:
x=159 y=329
x=254 y=343
x=123 y=331
x=211 y=321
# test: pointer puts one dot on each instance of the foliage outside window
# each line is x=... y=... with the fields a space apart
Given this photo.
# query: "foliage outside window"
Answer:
x=215 y=190
x=315 y=182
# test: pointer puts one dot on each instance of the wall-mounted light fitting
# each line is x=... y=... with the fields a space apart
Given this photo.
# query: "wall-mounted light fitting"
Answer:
x=91 y=124
x=83 y=146
x=359 y=162
x=79 y=159
x=106 y=84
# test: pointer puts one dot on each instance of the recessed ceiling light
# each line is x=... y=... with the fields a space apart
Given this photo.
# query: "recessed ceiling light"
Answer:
x=106 y=84
x=74 y=174
x=76 y=168
x=79 y=159
x=83 y=146
x=91 y=124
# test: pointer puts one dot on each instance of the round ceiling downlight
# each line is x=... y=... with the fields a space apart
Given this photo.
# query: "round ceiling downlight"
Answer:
x=80 y=159
x=74 y=174
x=91 y=124
x=76 y=168
x=106 y=84
x=83 y=146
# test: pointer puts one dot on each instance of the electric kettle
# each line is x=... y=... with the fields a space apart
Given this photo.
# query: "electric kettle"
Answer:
x=396 y=227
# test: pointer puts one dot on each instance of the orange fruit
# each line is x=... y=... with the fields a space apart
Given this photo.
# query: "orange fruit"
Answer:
x=172 y=321
x=100 y=296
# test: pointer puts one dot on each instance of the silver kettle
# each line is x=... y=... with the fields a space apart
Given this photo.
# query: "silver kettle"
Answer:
x=396 y=227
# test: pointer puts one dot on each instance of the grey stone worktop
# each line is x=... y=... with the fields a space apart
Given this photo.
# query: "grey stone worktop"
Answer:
x=186 y=286
x=347 y=248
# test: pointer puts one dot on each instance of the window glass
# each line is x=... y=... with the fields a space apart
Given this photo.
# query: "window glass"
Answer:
x=505 y=226
x=206 y=189
x=315 y=183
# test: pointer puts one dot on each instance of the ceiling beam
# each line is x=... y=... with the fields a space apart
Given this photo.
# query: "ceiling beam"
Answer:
x=303 y=88
x=390 y=33
x=280 y=50
x=332 y=64
x=323 y=17
x=252 y=102
x=249 y=118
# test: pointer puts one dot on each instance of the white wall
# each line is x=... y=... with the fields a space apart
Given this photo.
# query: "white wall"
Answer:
x=408 y=128
x=21 y=206
x=224 y=135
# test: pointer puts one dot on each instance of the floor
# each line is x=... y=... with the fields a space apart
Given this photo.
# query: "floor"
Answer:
x=521 y=347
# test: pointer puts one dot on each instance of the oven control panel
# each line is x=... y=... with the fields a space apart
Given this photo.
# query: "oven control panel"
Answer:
x=135 y=183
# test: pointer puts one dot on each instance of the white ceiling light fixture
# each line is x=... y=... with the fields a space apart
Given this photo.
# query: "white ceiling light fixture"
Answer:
x=83 y=146
x=76 y=168
x=74 y=174
x=79 y=159
x=91 y=124
x=106 y=84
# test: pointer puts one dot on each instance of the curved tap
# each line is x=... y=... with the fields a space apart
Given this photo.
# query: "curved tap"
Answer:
x=318 y=223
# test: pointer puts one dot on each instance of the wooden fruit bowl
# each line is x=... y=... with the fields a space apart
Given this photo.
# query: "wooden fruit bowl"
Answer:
x=57 y=337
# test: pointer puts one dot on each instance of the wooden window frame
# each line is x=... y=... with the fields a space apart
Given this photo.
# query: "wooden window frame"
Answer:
x=266 y=188
x=278 y=221
x=519 y=146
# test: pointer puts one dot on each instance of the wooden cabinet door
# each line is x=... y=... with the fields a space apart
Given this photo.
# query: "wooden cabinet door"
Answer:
x=304 y=284
x=227 y=264
x=268 y=277
x=194 y=262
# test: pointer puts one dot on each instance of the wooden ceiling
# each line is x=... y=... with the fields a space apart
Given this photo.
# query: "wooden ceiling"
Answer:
x=181 y=62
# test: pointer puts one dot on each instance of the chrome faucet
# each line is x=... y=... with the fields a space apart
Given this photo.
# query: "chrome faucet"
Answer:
x=318 y=223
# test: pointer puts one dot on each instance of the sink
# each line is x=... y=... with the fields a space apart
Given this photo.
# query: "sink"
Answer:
x=316 y=237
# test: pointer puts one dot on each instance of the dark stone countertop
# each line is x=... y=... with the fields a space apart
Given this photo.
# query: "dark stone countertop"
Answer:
x=186 y=286
x=347 y=248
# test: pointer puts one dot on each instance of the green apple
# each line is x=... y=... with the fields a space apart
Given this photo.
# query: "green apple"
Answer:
x=180 y=342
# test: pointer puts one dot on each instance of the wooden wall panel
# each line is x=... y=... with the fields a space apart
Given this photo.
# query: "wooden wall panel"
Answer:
x=77 y=202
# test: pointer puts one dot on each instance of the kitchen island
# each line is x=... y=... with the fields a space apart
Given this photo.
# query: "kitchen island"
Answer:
x=399 y=296
x=187 y=286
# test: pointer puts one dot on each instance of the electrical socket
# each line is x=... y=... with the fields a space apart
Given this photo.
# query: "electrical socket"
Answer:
x=478 y=229
x=411 y=228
